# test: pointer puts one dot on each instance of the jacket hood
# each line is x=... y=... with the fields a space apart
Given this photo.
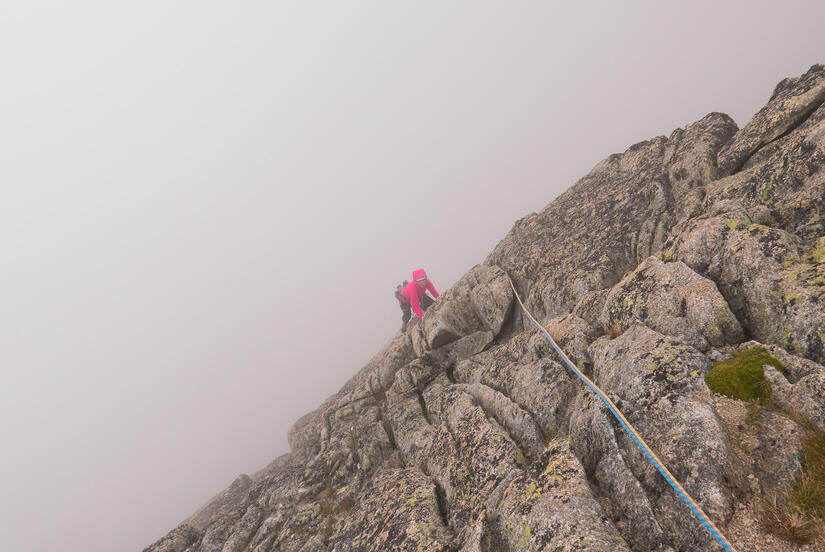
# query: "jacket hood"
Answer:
x=419 y=274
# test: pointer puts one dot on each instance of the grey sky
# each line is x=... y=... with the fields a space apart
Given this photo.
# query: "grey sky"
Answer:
x=205 y=207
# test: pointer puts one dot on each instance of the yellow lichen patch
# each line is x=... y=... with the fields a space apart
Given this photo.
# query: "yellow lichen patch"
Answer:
x=555 y=480
x=526 y=533
x=767 y=192
x=792 y=297
x=533 y=491
x=818 y=253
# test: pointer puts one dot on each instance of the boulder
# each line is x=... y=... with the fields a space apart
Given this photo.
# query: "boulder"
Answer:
x=771 y=279
x=674 y=300
x=480 y=301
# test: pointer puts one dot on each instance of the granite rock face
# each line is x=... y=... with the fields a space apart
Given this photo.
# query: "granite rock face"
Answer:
x=673 y=299
x=468 y=434
x=596 y=232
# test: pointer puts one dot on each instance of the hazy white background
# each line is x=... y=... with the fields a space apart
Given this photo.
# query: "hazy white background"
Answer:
x=205 y=207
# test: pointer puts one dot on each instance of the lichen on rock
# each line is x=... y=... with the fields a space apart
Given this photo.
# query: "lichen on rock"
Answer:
x=466 y=433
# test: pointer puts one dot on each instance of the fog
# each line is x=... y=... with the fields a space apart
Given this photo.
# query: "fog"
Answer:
x=206 y=206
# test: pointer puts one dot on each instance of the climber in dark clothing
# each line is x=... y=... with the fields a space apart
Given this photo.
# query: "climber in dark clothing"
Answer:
x=412 y=296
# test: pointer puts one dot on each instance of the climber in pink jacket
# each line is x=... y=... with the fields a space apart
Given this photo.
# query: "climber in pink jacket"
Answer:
x=413 y=295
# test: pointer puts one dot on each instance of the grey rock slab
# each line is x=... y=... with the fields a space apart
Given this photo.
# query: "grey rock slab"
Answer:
x=805 y=398
x=674 y=300
x=657 y=382
x=792 y=101
x=479 y=301
x=771 y=280
x=551 y=508
x=594 y=442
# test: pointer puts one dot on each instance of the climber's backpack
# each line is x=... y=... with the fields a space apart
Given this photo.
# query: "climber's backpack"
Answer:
x=399 y=292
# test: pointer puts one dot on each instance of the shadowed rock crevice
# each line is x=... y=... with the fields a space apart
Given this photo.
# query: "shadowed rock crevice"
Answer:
x=424 y=409
x=803 y=117
x=443 y=505
x=385 y=423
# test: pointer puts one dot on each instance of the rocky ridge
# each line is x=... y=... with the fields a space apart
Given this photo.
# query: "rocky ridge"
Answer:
x=466 y=434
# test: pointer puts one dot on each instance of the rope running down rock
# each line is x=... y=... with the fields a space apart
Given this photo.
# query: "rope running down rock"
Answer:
x=697 y=511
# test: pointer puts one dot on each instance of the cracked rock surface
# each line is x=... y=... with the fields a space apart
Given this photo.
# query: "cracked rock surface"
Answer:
x=468 y=434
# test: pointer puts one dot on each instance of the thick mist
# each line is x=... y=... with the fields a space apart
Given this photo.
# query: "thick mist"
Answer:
x=206 y=206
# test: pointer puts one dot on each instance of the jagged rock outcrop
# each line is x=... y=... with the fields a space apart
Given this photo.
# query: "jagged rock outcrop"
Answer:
x=467 y=434
x=791 y=104
x=596 y=232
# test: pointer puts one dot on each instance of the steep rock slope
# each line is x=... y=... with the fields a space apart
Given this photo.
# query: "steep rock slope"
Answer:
x=466 y=434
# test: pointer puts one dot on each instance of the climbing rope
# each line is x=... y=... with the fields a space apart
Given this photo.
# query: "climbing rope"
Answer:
x=697 y=511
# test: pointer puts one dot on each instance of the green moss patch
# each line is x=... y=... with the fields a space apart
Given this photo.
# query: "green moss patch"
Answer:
x=741 y=376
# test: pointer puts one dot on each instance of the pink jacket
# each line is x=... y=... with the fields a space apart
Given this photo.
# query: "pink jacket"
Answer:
x=413 y=293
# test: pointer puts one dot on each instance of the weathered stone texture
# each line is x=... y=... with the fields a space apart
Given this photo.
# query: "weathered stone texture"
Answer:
x=613 y=218
x=467 y=433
